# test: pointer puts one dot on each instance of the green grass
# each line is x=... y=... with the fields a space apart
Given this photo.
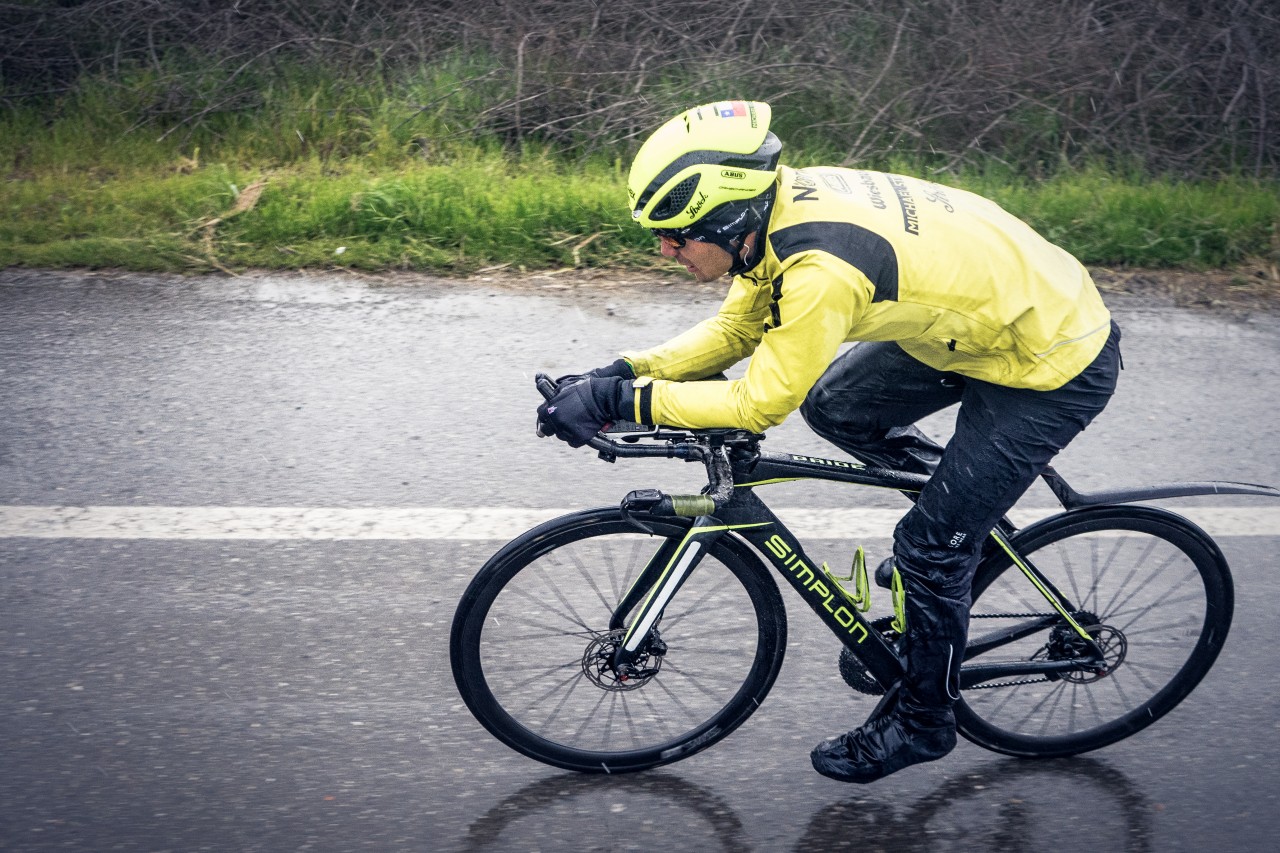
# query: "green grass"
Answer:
x=531 y=212
x=527 y=212
x=1150 y=222
x=375 y=176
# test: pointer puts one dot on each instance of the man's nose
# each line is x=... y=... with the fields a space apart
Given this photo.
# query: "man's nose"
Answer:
x=668 y=247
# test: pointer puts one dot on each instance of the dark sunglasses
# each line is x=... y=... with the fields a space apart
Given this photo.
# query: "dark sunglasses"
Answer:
x=679 y=236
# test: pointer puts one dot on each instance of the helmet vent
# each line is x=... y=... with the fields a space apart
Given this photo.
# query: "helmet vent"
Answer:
x=676 y=199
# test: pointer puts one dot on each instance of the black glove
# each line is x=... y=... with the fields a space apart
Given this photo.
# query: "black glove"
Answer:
x=621 y=368
x=582 y=408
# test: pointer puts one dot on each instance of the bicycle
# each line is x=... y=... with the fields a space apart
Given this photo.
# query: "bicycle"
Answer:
x=624 y=638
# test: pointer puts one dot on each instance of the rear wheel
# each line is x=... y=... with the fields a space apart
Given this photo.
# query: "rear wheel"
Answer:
x=1151 y=589
x=530 y=646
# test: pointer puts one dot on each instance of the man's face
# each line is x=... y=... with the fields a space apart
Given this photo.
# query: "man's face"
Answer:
x=706 y=261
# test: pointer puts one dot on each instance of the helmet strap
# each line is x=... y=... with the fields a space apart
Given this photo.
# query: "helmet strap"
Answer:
x=741 y=265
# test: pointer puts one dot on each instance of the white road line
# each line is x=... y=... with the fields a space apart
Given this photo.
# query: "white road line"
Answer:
x=249 y=522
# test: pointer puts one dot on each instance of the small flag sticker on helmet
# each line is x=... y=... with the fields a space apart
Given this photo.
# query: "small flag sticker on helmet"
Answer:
x=729 y=109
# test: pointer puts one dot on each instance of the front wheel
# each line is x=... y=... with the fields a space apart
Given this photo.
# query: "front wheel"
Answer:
x=1151 y=589
x=531 y=640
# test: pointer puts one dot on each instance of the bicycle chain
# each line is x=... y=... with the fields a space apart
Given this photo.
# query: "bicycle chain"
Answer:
x=1020 y=683
x=865 y=684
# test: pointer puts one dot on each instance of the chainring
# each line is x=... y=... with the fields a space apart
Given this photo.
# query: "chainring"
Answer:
x=854 y=671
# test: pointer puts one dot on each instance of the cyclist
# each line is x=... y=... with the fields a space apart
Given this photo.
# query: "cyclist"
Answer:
x=953 y=299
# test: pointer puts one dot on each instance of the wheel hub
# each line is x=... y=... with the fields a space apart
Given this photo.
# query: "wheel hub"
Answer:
x=1065 y=644
x=599 y=668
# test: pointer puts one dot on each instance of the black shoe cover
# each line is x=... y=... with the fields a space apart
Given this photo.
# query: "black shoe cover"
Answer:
x=884 y=744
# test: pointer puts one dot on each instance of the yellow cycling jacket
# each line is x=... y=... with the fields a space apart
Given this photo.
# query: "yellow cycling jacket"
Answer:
x=960 y=283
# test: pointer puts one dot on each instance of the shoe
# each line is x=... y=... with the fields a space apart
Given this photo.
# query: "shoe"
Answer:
x=885 y=744
x=914 y=722
x=884 y=573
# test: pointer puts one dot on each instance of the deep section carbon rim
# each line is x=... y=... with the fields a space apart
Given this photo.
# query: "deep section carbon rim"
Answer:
x=1157 y=597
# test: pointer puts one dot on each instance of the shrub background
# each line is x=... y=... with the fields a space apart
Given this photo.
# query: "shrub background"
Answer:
x=456 y=134
x=1182 y=86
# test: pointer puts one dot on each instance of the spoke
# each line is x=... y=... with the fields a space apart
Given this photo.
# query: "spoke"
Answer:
x=710 y=652
x=517 y=666
x=695 y=682
x=612 y=700
x=1071 y=707
x=568 y=612
x=1165 y=629
x=661 y=718
x=1196 y=594
x=548 y=635
x=1124 y=697
x=1153 y=665
x=557 y=688
x=621 y=704
x=554 y=713
x=1070 y=571
x=676 y=700
x=528 y=620
x=553 y=585
x=618 y=579
x=1093 y=703
x=1137 y=568
x=1137 y=673
x=1058 y=693
x=1138 y=610
x=1037 y=708
x=590 y=717
x=590 y=577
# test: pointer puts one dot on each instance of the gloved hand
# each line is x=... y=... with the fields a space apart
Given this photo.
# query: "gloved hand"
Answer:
x=582 y=408
x=621 y=368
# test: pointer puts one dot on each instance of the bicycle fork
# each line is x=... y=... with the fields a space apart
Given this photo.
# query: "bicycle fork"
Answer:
x=654 y=588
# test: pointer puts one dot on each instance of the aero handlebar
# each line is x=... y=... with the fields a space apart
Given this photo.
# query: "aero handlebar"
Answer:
x=689 y=445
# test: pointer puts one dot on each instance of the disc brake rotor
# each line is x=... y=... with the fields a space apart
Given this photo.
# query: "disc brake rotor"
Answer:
x=597 y=661
x=1065 y=644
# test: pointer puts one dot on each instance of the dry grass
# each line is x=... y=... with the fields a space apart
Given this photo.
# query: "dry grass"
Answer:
x=1248 y=287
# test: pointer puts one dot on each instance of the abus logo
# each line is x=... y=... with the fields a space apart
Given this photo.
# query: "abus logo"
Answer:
x=733 y=173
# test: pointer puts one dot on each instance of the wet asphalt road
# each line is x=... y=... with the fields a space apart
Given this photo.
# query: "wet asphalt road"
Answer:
x=294 y=694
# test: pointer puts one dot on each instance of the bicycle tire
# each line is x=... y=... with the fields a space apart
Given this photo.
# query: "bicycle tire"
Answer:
x=1159 y=585
x=524 y=631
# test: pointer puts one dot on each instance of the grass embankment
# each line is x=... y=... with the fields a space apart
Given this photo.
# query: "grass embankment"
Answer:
x=325 y=176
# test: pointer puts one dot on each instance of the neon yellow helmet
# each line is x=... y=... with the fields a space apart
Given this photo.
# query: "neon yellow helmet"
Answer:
x=707 y=174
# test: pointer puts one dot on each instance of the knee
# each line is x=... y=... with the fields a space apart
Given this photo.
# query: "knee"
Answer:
x=942 y=560
x=825 y=416
x=811 y=411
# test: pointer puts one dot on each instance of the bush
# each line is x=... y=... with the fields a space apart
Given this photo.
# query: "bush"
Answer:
x=1184 y=87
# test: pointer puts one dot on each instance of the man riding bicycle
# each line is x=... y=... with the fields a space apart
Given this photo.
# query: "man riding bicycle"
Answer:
x=952 y=299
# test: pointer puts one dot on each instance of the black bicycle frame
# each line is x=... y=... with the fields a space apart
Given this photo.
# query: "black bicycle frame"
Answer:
x=746 y=515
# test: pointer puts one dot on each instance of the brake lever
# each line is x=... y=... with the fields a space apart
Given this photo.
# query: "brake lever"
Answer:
x=545 y=384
